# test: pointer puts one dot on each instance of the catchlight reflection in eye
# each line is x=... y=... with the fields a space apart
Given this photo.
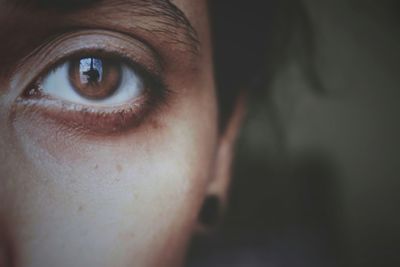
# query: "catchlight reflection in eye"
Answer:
x=90 y=70
x=93 y=81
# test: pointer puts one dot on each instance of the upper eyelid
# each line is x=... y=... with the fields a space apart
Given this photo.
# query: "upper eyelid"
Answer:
x=164 y=16
x=49 y=56
x=73 y=34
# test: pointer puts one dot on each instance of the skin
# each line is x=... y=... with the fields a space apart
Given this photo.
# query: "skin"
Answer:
x=123 y=197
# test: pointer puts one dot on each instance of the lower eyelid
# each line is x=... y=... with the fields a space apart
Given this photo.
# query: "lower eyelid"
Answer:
x=88 y=121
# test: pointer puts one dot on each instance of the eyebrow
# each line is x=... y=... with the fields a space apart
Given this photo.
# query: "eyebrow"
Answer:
x=166 y=13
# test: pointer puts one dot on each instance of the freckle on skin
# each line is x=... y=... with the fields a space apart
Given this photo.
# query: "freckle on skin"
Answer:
x=96 y=167
x=80 y=208
x=155 y=124
x=119 y=168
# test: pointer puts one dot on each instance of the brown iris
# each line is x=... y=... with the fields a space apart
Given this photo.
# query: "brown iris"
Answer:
x=94 y=78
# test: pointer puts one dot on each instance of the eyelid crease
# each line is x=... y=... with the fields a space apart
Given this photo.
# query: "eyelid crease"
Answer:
x=81 y=33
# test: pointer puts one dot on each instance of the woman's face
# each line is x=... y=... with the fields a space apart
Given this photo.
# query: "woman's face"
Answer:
x=109 y=141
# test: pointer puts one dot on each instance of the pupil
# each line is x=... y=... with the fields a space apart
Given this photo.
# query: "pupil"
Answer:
x=92 y=75
x=91 y=70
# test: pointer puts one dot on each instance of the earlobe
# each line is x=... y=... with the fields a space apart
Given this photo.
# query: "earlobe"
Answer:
x=217 y=191
x=210 y=212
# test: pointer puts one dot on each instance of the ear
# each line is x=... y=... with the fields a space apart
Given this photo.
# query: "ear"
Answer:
x=217 y=190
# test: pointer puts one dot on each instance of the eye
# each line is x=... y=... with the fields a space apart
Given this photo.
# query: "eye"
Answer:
x=97 y=94
x=92 y=81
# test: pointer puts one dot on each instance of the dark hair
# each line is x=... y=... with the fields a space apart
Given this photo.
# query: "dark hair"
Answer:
x=239 y=35
x=251 y=42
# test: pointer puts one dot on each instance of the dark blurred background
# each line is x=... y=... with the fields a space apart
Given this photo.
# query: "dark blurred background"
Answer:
x=317 y=168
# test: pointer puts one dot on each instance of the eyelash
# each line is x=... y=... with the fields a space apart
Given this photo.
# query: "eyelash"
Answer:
x=98 y=120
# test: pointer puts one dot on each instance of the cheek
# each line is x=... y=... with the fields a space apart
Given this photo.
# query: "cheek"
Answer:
x=138 y=194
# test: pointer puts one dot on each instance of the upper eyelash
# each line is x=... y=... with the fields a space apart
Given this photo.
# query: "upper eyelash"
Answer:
x=154 y=85
x=154 y=81
x=54 y=50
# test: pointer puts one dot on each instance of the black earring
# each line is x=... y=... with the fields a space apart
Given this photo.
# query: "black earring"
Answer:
x=209 y=213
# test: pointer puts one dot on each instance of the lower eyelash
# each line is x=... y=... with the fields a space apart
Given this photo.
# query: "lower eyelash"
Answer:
x=92 y=120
